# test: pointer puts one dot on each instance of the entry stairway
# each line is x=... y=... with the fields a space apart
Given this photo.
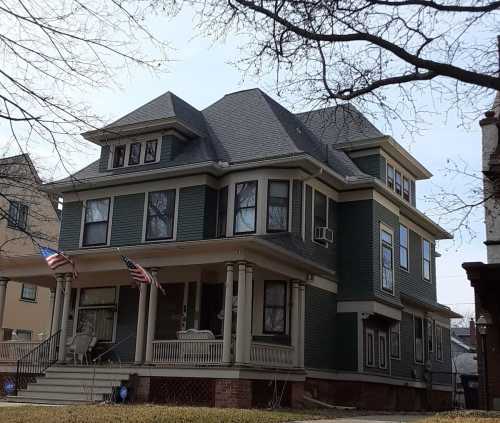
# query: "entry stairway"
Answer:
x=72 y=385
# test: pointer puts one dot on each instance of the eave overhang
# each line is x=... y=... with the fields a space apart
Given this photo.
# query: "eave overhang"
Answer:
x=437 y=308
x=393 y=149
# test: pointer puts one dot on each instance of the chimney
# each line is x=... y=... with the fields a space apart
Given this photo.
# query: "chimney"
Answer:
x=472 y=332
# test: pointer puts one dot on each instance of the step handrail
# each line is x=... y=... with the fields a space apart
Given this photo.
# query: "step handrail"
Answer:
x=36 y=361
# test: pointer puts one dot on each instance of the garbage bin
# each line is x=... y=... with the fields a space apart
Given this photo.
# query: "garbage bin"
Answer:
x=470 y=384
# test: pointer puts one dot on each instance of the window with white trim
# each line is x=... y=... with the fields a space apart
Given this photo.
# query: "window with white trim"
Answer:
x=160 y=215
x=403 y=247
x=390 y=177
x=387 y=260
x=439 y=343
x=277 y=205
x=398 y=185
x=418 y=324
x=95 y=227
x=245 y=207
x=370 y=348
x=395 y=335
x=406 y=189
x=119 y=155
x=274 y=307
x=18 y=215
x=28 y=292
x=382 y=350
x=134 y=156
x=426 y=259
x=96 y=312
x=150 y=155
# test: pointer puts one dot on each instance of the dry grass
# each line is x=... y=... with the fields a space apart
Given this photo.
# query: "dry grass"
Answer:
x=473 y=416
x=143 y=414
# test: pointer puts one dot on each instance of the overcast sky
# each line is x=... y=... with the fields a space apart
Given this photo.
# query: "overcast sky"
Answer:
x=201 y=74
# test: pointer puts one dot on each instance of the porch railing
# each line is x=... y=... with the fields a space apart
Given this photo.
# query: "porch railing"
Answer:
x=11 y=351
x=198 y=352
x=271 y=355
x=36 y=361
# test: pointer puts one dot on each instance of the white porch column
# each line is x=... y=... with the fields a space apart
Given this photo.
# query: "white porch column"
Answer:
x=3 y=295
x=302 y=318
x=248 y=311
x=61 y=358
x=295 y=322
x=241 y=314
x=56 y=313
x=141 y=324
x=153 y=307
x=228 y=315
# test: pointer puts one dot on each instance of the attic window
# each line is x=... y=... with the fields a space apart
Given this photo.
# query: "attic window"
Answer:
x=151 y=147
x=134 y=157
x=119 y=156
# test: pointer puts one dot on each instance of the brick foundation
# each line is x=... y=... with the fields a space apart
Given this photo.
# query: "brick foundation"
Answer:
x=376 y=396
x=233 y=393
x=142 y=386
x=297 y=395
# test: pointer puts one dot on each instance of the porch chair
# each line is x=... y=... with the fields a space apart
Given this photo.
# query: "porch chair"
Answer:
x=81 y=345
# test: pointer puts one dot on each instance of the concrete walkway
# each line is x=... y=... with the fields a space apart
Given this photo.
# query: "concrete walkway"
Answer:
x=380 y=418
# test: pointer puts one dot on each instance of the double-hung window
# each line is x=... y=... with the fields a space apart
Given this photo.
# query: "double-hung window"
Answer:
x=274 y=307
x=370 y=348
x=150 y=153
x=439 y=343
x=134 y=157
x=398 y=183
x=95 y=230
x=406 y=189
x=160 y=215
x=119 y=156
x=387 y=253
x=28 y=292
x=390 y=177
x=396 y=341
x=426 y=259
x=277 y=206
x=320 y=212
x=18 y=215
x=430 y=335
x=403 y=247
x=245 y=207
x=96 y=312
x=222 y=213
x=418 y=323
x=382 y=350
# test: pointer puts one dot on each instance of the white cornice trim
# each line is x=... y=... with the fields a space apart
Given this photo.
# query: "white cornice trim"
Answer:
x=369 y=307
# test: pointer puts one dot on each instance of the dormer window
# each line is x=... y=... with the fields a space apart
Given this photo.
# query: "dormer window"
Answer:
x=151 y=147
x=406 y=189
x=398 y=183
x=119 y=156
x=134 y=157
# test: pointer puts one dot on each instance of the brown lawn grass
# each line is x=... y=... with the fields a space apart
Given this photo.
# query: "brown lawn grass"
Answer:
x=473 y=416
x=144 y=414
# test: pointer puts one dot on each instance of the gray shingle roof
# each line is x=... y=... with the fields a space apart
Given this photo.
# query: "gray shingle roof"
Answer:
x=249 y=125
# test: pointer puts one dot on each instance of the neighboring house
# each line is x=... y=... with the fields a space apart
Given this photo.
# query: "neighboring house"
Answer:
x=484 y=277
x=24 y=210
x=463 y=340
x=291 y=243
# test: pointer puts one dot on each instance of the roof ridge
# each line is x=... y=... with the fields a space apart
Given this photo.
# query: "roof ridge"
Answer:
x=343 y=105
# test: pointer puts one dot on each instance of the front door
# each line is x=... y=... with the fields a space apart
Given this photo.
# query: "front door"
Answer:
x=169 y=314
x=211 y=307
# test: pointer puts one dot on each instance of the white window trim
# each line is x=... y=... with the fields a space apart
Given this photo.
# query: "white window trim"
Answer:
x=110 y=220
x=407 y=249
x=127 y=143
x=314 y=190
x=391 y=330
x=115 y=317
x=145 y=217
x=430 y=260
x=290 y=192
x=415 y=340
x=382 y=335
x=367 y=345
x=404 y=175
x=388 y=229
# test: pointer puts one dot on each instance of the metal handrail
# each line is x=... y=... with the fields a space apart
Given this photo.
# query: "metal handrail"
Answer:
x=36 y=361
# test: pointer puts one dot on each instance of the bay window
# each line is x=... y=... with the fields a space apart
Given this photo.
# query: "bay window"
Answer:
x=95 y=228
x=274 y=307
x=222 y=213
x=403 y=247
x=387 y=253
x=382 y=350
x=396 y=341
x=160 y=215
x=390 y=177
x=245 y=207
x=406 y=189
x=398 y=183
x=277 y=206
x=426 y=259
x=370 y=348
x=418 y=324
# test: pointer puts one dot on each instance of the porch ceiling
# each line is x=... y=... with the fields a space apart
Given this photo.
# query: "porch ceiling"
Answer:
x=186 y=260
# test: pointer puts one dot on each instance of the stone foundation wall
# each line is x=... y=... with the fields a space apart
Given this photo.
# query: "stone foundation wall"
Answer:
x=377 y=396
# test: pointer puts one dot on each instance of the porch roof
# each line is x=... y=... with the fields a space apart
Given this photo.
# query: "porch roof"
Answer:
x=105 y=261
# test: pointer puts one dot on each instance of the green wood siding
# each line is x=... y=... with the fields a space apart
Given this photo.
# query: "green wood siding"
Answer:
x=128 y=217
x=346 y=342
x=297 y=207
x=378 y=325
x=320 y=324
x=69 y=235
x=374 y=165
x=104 y=159
x=196 y=213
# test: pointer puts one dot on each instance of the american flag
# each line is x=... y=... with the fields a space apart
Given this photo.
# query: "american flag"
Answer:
x=141 y=275
x=56 y=259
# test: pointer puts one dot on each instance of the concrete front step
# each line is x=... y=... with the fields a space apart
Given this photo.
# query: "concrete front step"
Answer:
x=86 y=375
x=68 y=396
x=79 y=389
x=29 y=400
x=78 y=382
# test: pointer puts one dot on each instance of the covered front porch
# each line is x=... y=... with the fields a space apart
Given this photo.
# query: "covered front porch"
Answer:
x=238 y=302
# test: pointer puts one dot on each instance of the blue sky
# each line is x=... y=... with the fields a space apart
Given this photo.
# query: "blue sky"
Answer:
x=200 y=74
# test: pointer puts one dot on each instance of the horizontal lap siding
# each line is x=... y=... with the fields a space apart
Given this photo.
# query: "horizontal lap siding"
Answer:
x=191 y=213
x=210 y=220
x=69 y=236
x=128 y=216
x=104 y=159
x=320 y=324
x=442 y=369
x=374 y=165
x=346 y=342
x=297 y=207
x=406 y=366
